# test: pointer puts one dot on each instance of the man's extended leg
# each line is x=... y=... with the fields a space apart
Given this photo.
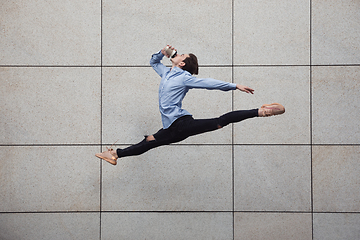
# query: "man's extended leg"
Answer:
x=199 y=126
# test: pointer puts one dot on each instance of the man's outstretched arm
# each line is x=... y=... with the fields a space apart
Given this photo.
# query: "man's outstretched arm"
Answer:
x=210 y=84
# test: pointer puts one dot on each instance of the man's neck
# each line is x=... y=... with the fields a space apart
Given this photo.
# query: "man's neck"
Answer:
x=175 y=66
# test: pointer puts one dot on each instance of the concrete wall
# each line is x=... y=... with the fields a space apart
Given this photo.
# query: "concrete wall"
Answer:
x=75 y=77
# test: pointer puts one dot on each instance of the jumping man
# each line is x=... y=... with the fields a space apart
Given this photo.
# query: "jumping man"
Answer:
x=178 y=124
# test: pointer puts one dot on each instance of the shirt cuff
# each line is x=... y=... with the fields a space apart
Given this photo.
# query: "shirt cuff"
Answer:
x=159 y=52
x=233 y=85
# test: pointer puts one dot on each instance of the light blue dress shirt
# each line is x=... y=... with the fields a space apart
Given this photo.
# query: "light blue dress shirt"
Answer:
x=174 y=85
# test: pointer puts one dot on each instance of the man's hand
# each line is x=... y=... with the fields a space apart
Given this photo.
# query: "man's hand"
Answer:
x=164 y=53
x=245 y=89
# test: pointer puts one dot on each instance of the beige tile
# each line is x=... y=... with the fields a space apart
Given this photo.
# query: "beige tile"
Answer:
x=272 y=178
x=50 y=32
x=166 y=226
x=50 y=105
x=334 y=226
x=130 y=105
x=133 y=31
x=55 y=226
x=271 y=226
x=336 y=182
x=335 y=107
x=49 y=179
x=170 y=178
x=335 y=32
x=289 y=86
x=272 y=32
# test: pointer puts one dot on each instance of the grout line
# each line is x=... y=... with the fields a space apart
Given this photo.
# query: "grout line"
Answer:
x=311 y=132
x=185 y=144
x=148 y=66
x=182 y=211
x=51 y=212
x=232 y=109
x=101 y=115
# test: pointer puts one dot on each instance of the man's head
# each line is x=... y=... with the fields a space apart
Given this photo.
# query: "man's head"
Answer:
x=187 y=62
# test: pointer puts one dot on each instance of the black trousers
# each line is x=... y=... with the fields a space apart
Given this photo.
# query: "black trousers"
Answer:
x=185 y=127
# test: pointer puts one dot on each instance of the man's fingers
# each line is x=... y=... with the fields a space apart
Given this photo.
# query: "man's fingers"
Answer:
x=250 y=90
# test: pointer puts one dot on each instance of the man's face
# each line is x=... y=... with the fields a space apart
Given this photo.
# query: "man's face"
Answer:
x=178 y=59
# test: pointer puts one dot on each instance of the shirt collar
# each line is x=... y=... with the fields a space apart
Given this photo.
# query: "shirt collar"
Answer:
x=177 y=69
x=174 y=71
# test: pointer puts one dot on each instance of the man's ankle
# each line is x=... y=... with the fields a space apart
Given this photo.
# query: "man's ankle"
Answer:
x=114 y=153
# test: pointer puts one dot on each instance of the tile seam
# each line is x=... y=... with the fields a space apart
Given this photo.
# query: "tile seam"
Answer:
x=186 y=144
x=148 y=66
x=311 y=127
x=171 y=211
x=232 y=125
x=101 y=116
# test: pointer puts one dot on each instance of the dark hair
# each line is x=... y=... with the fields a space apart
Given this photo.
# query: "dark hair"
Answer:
x=191 y=64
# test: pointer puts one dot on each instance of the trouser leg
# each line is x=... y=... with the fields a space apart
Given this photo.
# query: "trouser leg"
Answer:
x=162 y=137
x=237 y=116
x=199 y=126
x=185 y=127
x=136 y=149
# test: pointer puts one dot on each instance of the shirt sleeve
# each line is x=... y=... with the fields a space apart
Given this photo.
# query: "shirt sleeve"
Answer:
x=156 y=64
x=208 y=83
